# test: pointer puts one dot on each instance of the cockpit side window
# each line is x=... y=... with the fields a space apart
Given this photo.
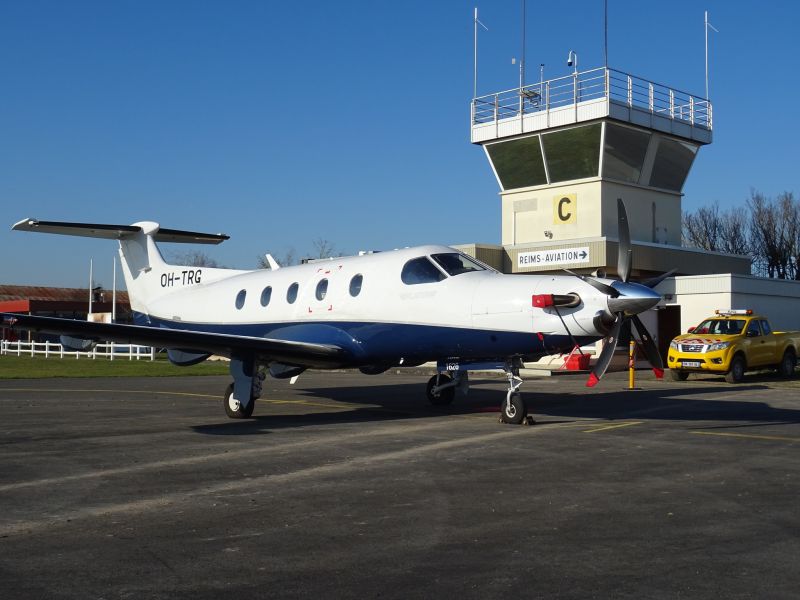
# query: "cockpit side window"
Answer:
x=456 y=263
x=420 y=270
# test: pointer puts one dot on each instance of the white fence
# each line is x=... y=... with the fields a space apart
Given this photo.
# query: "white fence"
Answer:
x=108 y=350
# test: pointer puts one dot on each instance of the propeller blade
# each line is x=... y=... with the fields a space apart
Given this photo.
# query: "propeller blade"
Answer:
x=651 y=283
x=607 y=354
x=624 y=235
x=650 y=350
x=598 y=285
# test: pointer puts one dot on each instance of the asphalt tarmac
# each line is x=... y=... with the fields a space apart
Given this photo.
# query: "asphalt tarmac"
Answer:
x=350 y=486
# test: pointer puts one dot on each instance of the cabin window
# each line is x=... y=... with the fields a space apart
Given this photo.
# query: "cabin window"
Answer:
x=420 y=270
x=291 y=293
x=456 y=263
x=355 y=285
x=322 y=289
x=266 y=295
x=240 y=299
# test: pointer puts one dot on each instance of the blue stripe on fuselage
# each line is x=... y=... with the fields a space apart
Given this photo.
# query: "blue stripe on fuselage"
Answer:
x=371 y=342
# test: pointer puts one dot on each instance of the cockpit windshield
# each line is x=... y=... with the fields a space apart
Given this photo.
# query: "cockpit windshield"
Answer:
x=455 y=263
x=420 y=270
x=721 y=326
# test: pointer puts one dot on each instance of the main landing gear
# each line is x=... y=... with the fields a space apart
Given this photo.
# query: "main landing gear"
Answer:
x=247 y=384
x=441 y=389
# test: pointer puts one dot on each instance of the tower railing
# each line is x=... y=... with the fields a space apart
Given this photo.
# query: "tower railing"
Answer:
x=602 y=83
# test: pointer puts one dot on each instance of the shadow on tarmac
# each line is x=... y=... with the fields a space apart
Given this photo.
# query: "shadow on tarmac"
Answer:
x=681 y=402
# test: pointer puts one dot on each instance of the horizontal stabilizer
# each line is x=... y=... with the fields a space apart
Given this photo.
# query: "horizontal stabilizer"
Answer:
x=118 y=232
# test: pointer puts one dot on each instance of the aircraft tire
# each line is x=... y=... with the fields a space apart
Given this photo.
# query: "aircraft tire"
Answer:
x=444 y=397
x=233 y=408
x=513 y=412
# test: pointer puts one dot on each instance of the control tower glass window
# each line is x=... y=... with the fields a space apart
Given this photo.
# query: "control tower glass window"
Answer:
x=573 y=153
x=624 y=153
x=672 y=164
x=518 y=163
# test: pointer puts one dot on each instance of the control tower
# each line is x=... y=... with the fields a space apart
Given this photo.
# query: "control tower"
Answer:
x=565 y=149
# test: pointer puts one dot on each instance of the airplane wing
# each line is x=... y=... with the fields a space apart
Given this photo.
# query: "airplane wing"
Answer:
x=302 y=354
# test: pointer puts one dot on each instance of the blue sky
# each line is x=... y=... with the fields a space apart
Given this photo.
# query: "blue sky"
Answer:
x=280 y=123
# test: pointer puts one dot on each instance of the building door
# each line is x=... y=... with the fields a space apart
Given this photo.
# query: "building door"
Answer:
x=669 y=326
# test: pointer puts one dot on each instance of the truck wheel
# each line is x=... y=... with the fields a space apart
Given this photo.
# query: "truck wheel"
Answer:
x=678 y=375
x=786 y=366
x=736 y=374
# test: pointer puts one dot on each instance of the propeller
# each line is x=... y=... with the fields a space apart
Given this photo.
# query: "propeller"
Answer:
x=625 y=300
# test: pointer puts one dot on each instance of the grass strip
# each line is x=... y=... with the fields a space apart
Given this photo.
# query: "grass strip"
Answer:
x=37 y=367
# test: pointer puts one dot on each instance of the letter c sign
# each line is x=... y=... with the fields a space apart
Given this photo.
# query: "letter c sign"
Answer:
x=565 y=209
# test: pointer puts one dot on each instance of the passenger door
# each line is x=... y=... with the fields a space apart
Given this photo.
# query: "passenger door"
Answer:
x=770 y=344
x=759 y=353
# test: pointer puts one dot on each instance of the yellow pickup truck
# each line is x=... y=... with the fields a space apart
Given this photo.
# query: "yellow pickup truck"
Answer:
x=731 y=343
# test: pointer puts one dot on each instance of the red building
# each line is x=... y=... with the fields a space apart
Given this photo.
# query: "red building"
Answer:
x=70 y=303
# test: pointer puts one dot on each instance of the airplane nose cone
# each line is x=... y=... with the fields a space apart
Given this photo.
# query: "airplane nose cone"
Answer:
x=633 y=298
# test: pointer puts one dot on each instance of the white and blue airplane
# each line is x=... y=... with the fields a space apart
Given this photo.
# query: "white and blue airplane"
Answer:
x=400 y=308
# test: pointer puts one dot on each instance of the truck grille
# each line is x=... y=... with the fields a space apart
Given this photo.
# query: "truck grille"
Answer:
x=692 y=347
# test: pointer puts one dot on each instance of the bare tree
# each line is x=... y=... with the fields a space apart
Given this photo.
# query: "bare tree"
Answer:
x=700 y=229
x=791 y=216
x=324 y=248
x=773 y=225
x=193 y=258
x=733 y=232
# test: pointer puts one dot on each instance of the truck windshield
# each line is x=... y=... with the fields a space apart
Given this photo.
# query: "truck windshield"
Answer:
x=721 y=326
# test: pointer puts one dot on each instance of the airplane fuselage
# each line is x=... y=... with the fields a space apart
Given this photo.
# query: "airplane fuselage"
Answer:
x=363 y=304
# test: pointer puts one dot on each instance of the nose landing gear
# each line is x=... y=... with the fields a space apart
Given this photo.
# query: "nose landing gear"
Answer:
x=513 y=410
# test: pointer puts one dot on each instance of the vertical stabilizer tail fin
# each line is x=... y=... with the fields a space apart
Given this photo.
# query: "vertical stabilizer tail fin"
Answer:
x=142 y=262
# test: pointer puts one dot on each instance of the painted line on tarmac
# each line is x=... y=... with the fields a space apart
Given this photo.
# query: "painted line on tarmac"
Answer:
x=346 y=405
x=752 y=436
x=258 y=484
x=617 y=426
